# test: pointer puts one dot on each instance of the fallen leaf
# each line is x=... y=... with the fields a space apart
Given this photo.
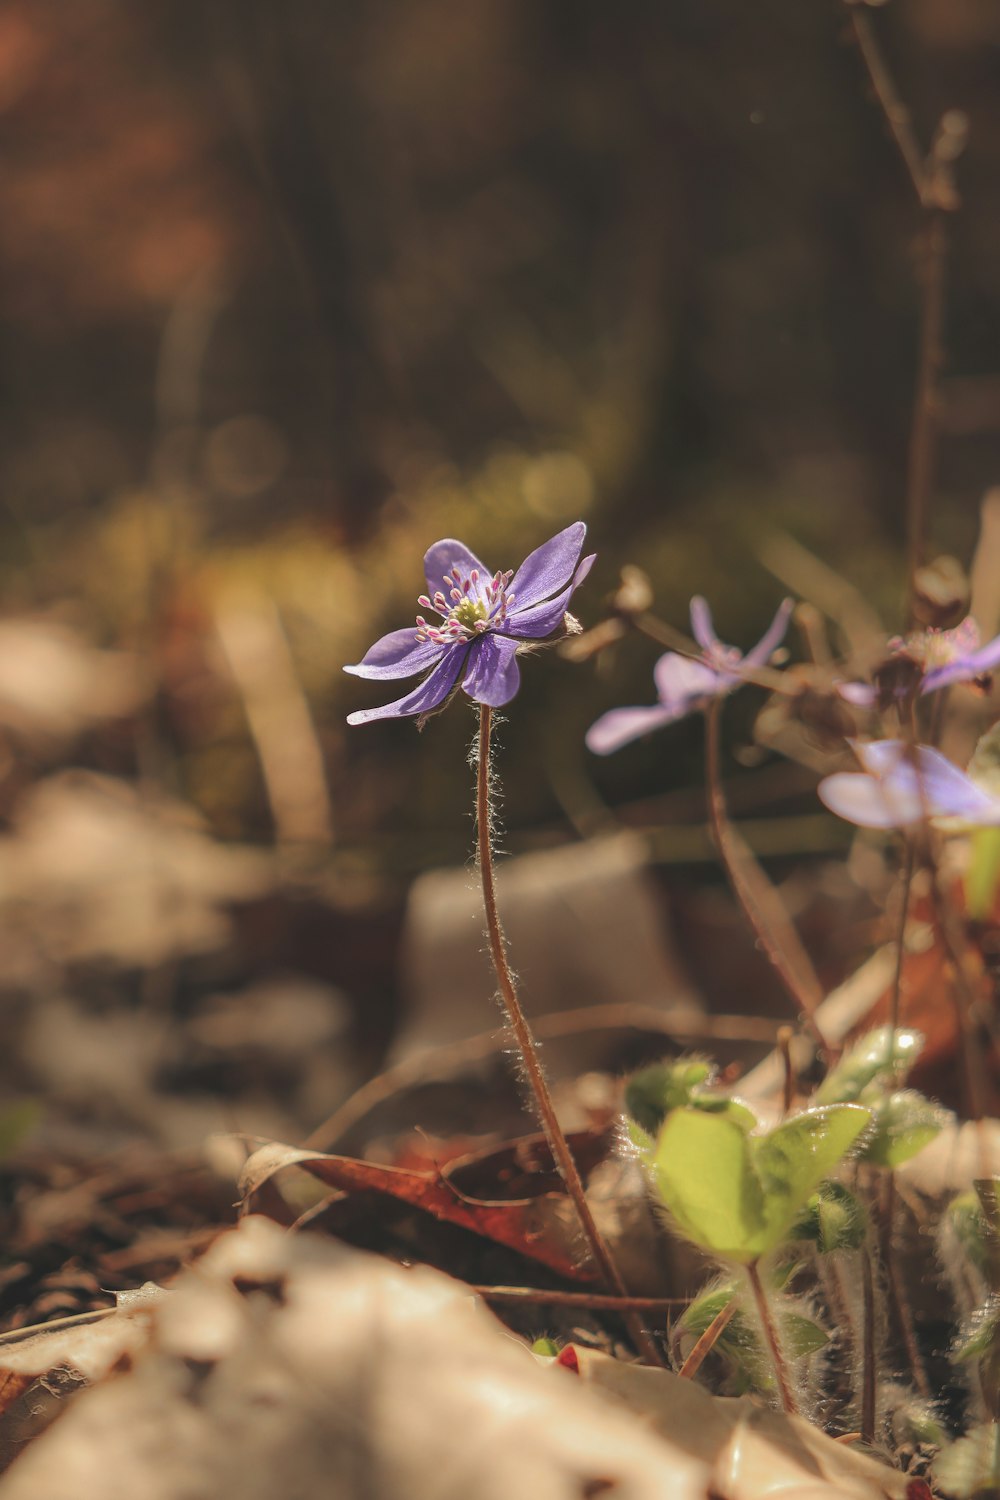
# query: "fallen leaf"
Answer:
x=542 y=1227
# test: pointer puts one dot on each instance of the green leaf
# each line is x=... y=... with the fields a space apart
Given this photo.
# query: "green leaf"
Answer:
x=737 y=1196
x=904 y=1123
x=983 y=874
x=739 y=1344
x=876 y=1055
x=979 y=1336
x=972 y=1465
x=653 y=1092
x=834 y=1220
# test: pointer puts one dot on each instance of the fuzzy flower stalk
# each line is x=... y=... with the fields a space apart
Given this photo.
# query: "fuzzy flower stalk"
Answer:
x=484 y=621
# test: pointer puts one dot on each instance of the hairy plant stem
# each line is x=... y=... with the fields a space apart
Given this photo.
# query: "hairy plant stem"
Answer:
x=897 y=978
x=897 y=1293
x=759 y=901
x=772 y=1340
x=868 y=1350
x=528 y=1049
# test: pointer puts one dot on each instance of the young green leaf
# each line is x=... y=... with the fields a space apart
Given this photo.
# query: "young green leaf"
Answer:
x=834 y=1219
x=737 y=1196
x=878 y=1054
x=903 y=1124
x=654 y=1091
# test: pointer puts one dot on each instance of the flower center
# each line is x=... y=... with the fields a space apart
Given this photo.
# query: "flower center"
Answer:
x=939 y=648
x=472 y=606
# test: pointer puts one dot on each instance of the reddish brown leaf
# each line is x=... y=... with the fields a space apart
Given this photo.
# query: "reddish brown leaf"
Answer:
x=540 y=1226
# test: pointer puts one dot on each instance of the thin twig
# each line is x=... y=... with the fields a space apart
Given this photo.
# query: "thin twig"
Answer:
x=868 y=1359
x=597 y=1301
x=896 y=113
x=707 y=1342
x=897 y=978
x=528 y=1049
x=760 y=902
x=897 y=1296
x=924 y=427
x=933 y=184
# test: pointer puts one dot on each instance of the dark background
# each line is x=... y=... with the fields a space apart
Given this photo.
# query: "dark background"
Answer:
x=290 y=291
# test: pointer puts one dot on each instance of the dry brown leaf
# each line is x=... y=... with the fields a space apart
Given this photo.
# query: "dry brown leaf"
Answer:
x=541 y=1227
x=742 y=1451
x=289 y=1365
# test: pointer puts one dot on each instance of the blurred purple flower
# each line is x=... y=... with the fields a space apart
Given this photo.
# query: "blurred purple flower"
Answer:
x=684 y=684
x=901 y=785
x=483 y=617
x=939 y=658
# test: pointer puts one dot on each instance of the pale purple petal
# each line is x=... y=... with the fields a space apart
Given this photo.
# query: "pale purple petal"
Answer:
x=964 y=668
x=541 y=619
x=445 y=555
x=865 y=801
x=683 y=684
x=549 y=568
x=760 y=655
x=398 y=654
x=620 y=725
x=941 y=787
x=896 y=790
x=701 y=624
x=493 y=676
x=432 y=691
x=861 y=694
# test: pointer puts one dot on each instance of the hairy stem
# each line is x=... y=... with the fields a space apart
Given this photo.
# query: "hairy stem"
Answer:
x=897 y=1293
x=772 y=1340
x=868 y=1348
x=760 y=902
x=528 y=1048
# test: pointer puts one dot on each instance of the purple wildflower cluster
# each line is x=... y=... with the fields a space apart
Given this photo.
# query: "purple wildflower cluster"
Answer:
x=485 y=619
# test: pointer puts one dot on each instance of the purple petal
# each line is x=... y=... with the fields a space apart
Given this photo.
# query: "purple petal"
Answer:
x=861 y=694
x=398 y=654
x=862 y=800
x=760 y=655
x=445 y=555
x=549 y=568
x=701 y=624
x=964 y=668
x=432 y=691
x=894 y=791
x=620 y=725
x=541 y=619
x=683 y=685
x=493 y=676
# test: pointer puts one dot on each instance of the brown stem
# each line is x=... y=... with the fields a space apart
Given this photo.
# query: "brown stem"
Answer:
x=760 y=902
x=895 y=111
x=868 y=1350
x=707 y=1342
x=897 y=981
x=772 y=1340
x=528 y=1049
x=897 y=1296
x=923 y=432
x=596 y=1301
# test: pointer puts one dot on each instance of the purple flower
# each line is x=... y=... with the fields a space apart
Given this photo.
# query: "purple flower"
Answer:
x=938 y=658
x=684 y=684
x=483 y=618
x=901 y=785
